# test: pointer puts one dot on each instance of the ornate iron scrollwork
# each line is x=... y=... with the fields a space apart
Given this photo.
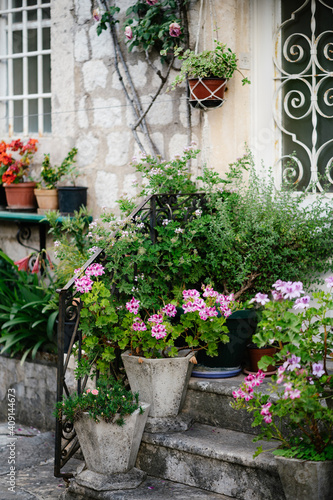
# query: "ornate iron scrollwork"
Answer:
x=304 y=92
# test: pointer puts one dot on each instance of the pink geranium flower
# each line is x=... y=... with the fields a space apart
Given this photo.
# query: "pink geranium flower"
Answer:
x=260 y=298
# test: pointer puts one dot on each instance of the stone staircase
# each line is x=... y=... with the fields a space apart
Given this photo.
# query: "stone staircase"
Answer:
x=216 y=452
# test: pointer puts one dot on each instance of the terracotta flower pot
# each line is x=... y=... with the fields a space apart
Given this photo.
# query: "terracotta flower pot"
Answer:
x=47 y=199
x=207 y=92
x=21 y=195
x=255 y=355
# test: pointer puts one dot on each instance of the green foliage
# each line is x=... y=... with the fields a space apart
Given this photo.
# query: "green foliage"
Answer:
x=110 y=402
x=52 y=175
x=27 y=325
x=171 y=176
x=257 y=234
x=71 y=242
x=150 y=25
x=99 y=337
x=107 y=19
x=219 y=63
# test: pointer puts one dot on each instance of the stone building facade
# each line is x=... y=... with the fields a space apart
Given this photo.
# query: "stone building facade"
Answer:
x=90 y=111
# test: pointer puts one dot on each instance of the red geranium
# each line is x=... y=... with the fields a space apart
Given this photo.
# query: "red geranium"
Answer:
x=14 y=170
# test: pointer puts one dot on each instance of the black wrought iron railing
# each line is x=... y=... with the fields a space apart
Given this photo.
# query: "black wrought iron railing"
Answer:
x=152 y=211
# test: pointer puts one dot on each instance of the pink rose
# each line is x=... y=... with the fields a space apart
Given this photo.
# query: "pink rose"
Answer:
x=174 y=29
x=128 y=33
x=94 y=392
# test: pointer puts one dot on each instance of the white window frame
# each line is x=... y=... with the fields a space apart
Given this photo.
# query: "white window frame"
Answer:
x=7 y=97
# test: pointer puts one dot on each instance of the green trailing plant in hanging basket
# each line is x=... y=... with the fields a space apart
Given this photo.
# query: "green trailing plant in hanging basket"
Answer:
x=221 y=62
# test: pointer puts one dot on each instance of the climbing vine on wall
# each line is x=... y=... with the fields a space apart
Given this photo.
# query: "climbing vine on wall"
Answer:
x=151 y=26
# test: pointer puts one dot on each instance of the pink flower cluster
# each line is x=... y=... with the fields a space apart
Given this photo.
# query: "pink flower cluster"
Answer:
x=156 y=318
x=329 y=282
x=95 y=270
x=246 y=389
x=85 y=283
x=170 y=310
x=265 y=411
x=158 y=331
x=287 y=289
x=133 y=306
x=138 y=325
x=193 y=303
x=94 y=392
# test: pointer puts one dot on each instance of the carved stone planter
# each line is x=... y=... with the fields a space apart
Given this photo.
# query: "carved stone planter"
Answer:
x=160 y=382
x=109 y=448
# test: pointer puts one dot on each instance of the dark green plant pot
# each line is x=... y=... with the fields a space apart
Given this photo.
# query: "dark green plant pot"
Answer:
x=3 y=199
x=241 y=325
x=71 y=198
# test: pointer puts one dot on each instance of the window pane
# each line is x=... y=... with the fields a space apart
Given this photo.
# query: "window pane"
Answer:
x=33 y=116
x=32 y=40
x=47 y=115
x=17 y=76
x=17 y=42
x=46 y=39
x=46 y=73
x=18 y=116
x=30 y=3
x=32 y=15
x=46 y=13
x=32 y=75
x=17 y=16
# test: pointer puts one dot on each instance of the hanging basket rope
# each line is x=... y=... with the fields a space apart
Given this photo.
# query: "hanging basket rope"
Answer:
x=207 y=93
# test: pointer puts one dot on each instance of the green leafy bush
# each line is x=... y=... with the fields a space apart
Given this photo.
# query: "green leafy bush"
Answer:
x=27 y=325
x=109 y=402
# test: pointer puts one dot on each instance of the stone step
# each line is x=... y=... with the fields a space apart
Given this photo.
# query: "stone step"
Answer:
x=213 y=459
x=151 y=489
x=208 y=402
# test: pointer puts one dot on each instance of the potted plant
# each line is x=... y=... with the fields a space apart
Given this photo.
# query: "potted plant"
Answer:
x=155 y=366
x=296 y=415
x=207 y=73
x=71 y=197
x=109 y=422
x=19 y=190
x=46 y=191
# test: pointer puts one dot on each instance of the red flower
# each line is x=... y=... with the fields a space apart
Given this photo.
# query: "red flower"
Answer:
x=23 y=264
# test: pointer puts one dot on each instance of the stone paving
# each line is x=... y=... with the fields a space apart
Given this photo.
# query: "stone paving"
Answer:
x=33 y=452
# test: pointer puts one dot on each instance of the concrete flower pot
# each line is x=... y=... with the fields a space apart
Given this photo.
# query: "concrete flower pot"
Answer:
x=160 y=382
x=305 y=480
x=109 y=448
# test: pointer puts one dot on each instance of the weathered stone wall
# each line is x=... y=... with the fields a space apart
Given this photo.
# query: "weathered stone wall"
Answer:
x=35 y=385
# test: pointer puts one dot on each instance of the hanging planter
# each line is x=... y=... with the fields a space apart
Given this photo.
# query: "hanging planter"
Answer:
x=206 y=93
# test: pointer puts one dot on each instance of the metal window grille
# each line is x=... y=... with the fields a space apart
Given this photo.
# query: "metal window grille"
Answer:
x=304 y=92
x=25 y=66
